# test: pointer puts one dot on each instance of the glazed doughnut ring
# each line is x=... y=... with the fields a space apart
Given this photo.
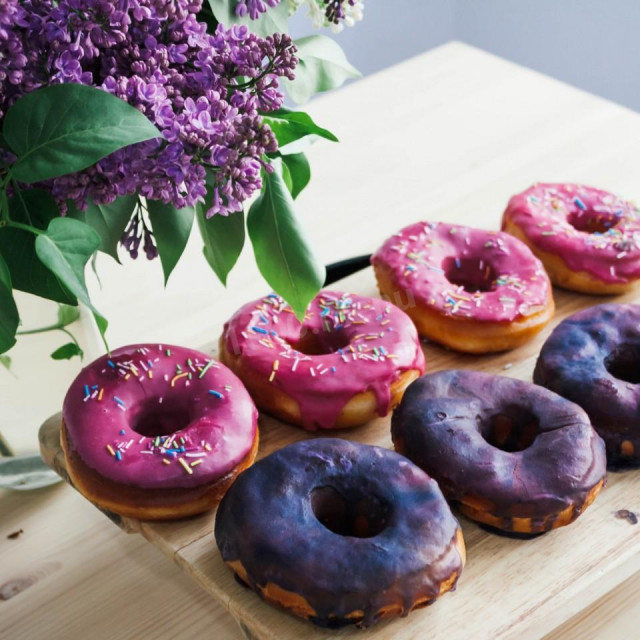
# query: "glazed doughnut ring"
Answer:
x=340 y=533
x=592 y=359
x=157 y=432
x=350 y=360
x=468 y=289
x=587 y=239
x=515 y=456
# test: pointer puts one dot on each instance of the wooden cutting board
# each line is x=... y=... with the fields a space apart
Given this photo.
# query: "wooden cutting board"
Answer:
x=509 y=589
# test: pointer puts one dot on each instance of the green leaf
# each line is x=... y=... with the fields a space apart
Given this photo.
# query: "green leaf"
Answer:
x=5 y=361
x=37 y=208
x=67 y=314
x=223 y=238
x=109 y=220
x=322 y=66
x=103 y=325
x=65 y=248
x=67 y=351
x=299 y=171
x=68 y=127
x=282 y=252
x=274 y=20
x=171 y=228
x=9 y=318
x=289 y=126
x=286 y=176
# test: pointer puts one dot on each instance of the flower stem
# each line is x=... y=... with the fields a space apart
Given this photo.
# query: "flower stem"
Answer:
x=24 y=227
x=31 y=332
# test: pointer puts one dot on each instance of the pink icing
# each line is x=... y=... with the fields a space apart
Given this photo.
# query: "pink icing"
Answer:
x=366 y=344
x=557 y=218
x=170 y=386
x=488 y=276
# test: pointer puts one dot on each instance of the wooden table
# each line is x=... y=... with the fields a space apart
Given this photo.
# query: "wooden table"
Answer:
x=450 y=134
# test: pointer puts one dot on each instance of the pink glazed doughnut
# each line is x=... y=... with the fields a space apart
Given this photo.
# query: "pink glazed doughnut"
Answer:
x=587 y=239
x=469 y=289
x=157 y=432
x=350 y=359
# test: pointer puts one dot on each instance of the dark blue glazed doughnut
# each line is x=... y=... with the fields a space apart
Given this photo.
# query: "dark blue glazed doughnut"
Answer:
x=593 y=359
x=514 y=455
x=339 y=532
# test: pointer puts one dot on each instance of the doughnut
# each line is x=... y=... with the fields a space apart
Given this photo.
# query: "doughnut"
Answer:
x=351 y=358
x=587 y=239
x=592 y=358
x=514 y=456
x=471 y=290
x=340 y=533
x=157 y=432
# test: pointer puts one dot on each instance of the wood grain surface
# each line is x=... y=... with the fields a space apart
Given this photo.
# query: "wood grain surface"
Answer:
x=449 y=135
x=509 y=589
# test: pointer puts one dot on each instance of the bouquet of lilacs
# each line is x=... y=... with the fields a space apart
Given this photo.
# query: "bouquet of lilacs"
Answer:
x=123 y=122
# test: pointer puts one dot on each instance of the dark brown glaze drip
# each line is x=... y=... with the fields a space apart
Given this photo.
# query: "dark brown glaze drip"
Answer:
x=593 y=359
x=401 y=554
x=518 y=449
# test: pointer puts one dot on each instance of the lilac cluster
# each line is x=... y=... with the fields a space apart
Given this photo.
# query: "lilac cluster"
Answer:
x=335 y=10
x=203 y=91
x=254 y=7
x=137 y=231
x=334 y=13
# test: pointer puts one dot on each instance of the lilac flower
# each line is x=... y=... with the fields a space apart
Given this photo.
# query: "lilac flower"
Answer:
x=324 y=13
x=254 y=7
x=203 y=91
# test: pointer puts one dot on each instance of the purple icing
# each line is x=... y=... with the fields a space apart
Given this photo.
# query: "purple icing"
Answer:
x=593 y=359
x=590 y=230
x=444 y=424
x=488 y=276
x=146 y=412
x=267 y=521
x=364 y=343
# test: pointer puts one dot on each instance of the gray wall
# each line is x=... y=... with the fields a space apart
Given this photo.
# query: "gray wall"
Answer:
x=593 y=44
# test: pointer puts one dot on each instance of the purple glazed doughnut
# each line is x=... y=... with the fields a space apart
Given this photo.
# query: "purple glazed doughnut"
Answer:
x=592 y=359
x=340 y=533
x=157 y=432
x=513 y=455
x=587 y=239
x=472 y=290
x=349 y=360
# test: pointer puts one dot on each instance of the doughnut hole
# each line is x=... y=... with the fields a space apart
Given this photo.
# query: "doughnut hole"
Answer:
x=154 y=418
x=472 y=274
x=512 y=429
x=623 y=363
x=353 y=513
x=590 y=221
x=321 y=343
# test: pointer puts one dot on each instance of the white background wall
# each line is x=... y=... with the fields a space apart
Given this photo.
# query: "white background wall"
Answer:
x=593 y=44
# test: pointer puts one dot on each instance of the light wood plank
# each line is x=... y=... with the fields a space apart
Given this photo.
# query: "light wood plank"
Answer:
x=509 y=589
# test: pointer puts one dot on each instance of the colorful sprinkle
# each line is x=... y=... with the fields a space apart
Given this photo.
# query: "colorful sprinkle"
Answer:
x=205 y=368
x=185 y=465
x=259 y=330
x=177 y=377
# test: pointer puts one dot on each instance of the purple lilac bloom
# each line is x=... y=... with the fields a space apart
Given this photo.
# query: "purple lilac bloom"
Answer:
x=203 y=91
x=335 y=10
x=323 y=12
x=254 y=7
